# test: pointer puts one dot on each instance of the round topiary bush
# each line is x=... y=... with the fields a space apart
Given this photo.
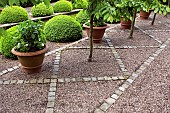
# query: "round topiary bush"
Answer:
x=80 y=4
x=62 y=6
x=13 y=14
x=8 y=42
x=82 y=17
x=63 y=28
x=41 y=10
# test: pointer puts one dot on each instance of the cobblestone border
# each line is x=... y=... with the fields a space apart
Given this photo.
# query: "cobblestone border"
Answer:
x=120 y=90
x=151 y=36
x=117 y=57
x=47 y=54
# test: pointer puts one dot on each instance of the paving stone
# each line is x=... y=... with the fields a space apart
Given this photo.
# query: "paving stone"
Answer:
x=55 y=76
x=33 y=81
x=104 y=106
x=130 y=80
x=115 y=96
x=53 y=84
x=98 y=111
x=40 y=81
x=121 y=77
x=94 y=78
x=79 y=79
x=87 y=79
x=53 y=89
x=10 y=69
x=16 y=67
x=125 y=86
x=118 y=92
x=51 y=94
x=100 y=78
x=4 y=71
x=51 y=99
x=6 y=82
x=110 y=101
x=46 y=80
x=115 y=78
x=50 y=104
x=26 y=81
x=122 y=88
x=20 y=81
x=61 y=80
x=1 y=73
x=49 y=110
x=1 y=82
x=53 y=80
x=73 y=79
x=67 y=79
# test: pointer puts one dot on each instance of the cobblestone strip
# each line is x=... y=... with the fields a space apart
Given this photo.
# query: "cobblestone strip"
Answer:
x=151 y=36
x=90 y=79
x=56 y=65
x=87 y=47
x=117 y=57
x=119 y=91
x=51 y=96
x=159 y=30
x=47 y=54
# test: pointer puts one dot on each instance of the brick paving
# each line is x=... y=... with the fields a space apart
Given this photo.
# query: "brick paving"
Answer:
x=124 y=93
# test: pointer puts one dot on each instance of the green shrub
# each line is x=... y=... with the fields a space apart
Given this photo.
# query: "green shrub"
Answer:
x=62 y=28
x=80 y=4
x=82 y=17
x=1 y=44
x=62 y=6
x=8 y=42
x=42 y=10
x=13 y=14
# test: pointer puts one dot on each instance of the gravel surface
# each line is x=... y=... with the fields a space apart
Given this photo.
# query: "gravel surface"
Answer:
x=46 y=72
x=7 y=63
x=150 y=93
x=133 y=58
x=74 y=63
x=23 y=98
x=120 y=38
x=83 y=97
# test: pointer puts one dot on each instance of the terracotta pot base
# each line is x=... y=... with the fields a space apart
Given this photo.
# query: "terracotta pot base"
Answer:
x=144 y=15
x=31 y=70
x=125 y=24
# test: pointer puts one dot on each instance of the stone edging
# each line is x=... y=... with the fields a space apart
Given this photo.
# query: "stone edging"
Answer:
x=120 y=90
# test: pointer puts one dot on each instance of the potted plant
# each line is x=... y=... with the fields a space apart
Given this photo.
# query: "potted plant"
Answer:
x=30 y=46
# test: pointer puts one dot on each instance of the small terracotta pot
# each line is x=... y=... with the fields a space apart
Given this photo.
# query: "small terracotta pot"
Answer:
x=31 y=61
x=125 y=24
x=98 y=33
x=144 y=15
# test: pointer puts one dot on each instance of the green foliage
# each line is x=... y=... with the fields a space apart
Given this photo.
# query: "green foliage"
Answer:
x=62 y=6
x=80 y=4
x=82 y=17
x=8 y=42
x=1 y=44
x=41 y=10
x=63 y=28
x=30 y=37
x=13 y=14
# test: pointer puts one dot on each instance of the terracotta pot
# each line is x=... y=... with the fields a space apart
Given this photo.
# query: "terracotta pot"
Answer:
x=31 y=61
x=125 y=24
x=1 y=10
x=98 y=33
x=144 y=15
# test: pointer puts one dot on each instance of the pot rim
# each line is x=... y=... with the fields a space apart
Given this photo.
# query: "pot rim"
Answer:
x=103 y=27
x=29 y=53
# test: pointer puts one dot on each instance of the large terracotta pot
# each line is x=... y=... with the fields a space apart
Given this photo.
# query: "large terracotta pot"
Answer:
x=125 y=24
x=31 y=61
x=144 y=15
x=98 y=33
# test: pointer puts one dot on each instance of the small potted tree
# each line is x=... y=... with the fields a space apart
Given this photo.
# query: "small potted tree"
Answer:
x=30 y=46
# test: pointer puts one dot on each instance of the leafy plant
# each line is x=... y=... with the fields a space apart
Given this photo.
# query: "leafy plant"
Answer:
x=82 y=17
x=80 y=4
x=13 y=14
x=41 y=10
x=62 y=6
x=63 y=28
x=30 y=37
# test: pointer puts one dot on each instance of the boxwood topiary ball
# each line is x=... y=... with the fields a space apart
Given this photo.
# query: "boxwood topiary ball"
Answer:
x=82 y=17
x=13 y=14
x=8 y=42
x=41 y=10
x=63 y=28
x=62 y=6
x=80 y=4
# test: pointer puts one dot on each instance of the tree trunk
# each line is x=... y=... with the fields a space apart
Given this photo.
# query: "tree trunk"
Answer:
x=153 y=20
x=133 y=24
x=91 y=38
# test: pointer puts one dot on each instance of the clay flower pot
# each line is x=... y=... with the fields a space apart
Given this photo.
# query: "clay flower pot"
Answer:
x=125 y=24
x=144 y=15
x=31 y=61
x=98 y=33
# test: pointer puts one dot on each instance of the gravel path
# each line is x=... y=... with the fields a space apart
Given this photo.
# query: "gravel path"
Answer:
x=23 y=98
x=83 y=97
x=150 y=93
